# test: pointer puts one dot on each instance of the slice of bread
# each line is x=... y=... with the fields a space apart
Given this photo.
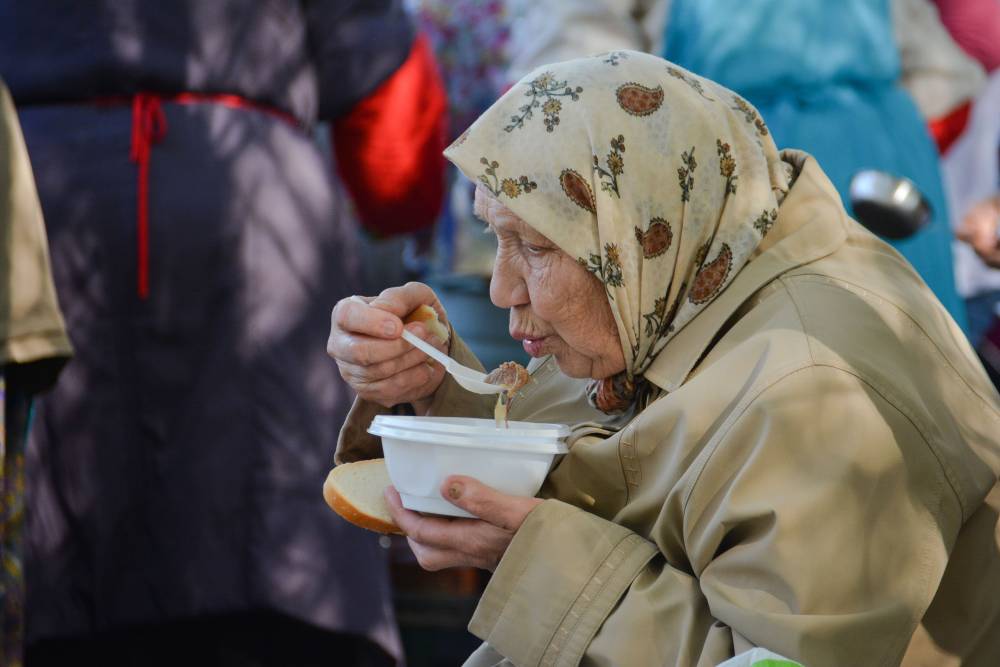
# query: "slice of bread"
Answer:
x=429 y=317
x=354 y=491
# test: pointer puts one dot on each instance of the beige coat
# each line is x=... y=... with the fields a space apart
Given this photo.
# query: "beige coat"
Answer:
x=31 y=326
x=814 y=485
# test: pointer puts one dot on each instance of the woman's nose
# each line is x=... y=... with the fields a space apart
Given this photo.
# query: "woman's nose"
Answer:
x=507 y=288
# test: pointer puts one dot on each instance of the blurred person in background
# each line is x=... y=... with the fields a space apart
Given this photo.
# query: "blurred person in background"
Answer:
x=198 y=241
x=853 y=83
x=979 y=230
x=971 y=169
x=33 y=349
x=470 y=40
x=817 y=72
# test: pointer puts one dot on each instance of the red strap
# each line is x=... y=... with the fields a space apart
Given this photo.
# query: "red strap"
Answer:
x=231 y=101
x=949 y=127
x=149 y=127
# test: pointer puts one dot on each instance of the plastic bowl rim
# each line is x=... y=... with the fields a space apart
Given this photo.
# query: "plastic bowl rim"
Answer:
x=538 y=446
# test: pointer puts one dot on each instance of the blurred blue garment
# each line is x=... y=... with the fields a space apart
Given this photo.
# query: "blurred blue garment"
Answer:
x=824 y=76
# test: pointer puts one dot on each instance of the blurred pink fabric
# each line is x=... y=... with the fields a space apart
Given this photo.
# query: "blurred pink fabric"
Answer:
x=975 y=25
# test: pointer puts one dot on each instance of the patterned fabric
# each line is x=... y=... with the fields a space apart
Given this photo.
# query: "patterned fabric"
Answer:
x=662 y=184
x=11 y=530
x=469 y=39
x=6 y=645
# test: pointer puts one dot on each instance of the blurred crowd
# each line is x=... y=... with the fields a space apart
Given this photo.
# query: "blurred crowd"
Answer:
x=187 y=188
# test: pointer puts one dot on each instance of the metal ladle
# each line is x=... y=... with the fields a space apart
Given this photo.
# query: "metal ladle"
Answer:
x=888 y=205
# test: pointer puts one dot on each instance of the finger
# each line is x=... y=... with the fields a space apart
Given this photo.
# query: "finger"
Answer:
x=993 y=258
x=403 y=300
x=433 y=559
x=984 y=243
x=405 y=387
x=420 y=330
x=449 y=534
x=427 y=530
x=367 y=374
x=970 y=230
x=364 y=350
x=482 y=545
x=402 y=516
x=354 y=317
x=499 y=509
x=441 y=542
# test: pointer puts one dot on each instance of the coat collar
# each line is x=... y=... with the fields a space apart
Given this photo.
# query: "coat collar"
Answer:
x=811 y=224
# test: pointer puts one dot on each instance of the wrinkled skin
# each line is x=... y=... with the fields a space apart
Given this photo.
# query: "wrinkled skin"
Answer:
x=554 y=303
x=372 y=358
x=440 y=542
x=550 y=296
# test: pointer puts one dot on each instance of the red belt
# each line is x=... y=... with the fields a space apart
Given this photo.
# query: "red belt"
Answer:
x=149 y=127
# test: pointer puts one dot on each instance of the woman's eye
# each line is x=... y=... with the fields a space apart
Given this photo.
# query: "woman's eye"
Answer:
x=534 y=249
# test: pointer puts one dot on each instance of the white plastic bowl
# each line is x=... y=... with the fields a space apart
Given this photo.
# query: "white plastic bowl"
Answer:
x=421 y=452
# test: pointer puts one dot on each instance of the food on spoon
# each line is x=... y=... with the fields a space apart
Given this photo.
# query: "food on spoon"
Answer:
x=354 y=491
x=511 y=376
x=429 y=318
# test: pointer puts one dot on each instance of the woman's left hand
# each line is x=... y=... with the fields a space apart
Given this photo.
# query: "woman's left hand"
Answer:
x=440 y=542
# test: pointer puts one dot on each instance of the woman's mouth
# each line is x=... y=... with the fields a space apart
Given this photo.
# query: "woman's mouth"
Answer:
x=533 y=346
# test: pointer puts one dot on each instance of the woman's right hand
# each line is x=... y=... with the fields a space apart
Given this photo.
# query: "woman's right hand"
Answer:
x=372 y=357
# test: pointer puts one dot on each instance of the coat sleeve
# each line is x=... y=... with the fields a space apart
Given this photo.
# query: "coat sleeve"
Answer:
x=34 y=345
x=389 y=148
x=815 y=523
x=355 y=45
x=379 y=85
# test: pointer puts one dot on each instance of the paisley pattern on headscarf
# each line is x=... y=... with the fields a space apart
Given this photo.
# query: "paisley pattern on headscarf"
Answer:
x=659 y=182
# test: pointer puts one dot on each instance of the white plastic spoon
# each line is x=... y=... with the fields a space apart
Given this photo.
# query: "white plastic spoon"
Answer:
x=471 y=379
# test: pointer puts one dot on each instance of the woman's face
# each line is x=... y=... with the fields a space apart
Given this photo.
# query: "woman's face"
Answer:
x=556 y=306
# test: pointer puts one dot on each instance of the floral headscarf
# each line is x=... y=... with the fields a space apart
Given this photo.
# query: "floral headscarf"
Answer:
x=659 y=182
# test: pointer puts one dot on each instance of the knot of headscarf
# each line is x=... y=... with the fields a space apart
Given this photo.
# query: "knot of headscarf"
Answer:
x=659 y=182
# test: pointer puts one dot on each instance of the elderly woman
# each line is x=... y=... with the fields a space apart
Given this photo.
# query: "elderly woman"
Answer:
x=780 y=437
